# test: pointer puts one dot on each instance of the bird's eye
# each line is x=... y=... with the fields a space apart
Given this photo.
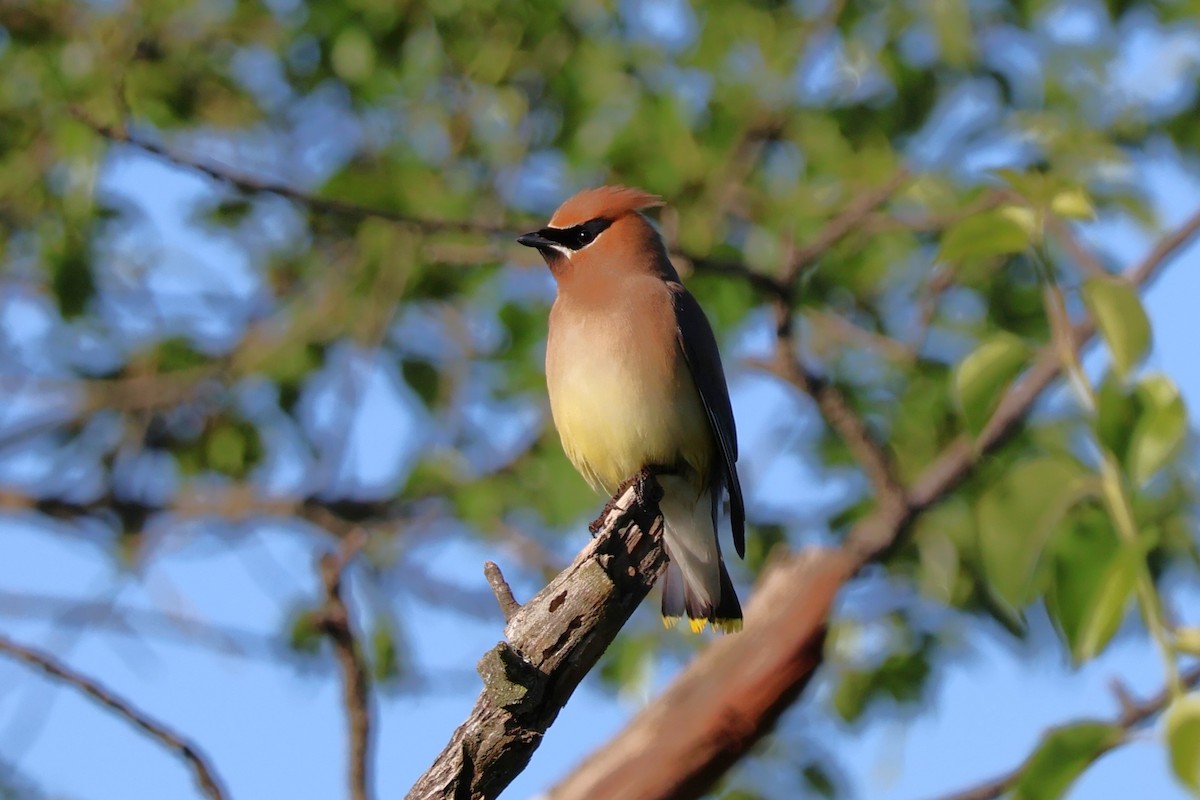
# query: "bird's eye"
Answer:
x=584 y=237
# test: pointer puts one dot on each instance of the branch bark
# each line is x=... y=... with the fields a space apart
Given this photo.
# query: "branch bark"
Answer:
x=335 y=622
x=680 y=743
x=206 y=776
x=729 y=698
x=553 y=641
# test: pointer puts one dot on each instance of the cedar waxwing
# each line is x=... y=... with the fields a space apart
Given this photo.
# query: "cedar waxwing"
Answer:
x=635 y=381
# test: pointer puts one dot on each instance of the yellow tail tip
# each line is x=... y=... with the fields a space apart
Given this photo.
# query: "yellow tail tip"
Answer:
x=698 y=625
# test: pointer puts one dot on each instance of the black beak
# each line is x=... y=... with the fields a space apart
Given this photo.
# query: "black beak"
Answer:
x=534 y=239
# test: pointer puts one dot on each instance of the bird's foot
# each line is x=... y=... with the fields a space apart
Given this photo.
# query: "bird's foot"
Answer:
x=645 y=488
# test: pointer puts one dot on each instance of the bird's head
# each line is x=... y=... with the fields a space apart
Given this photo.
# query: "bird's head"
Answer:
x=600 y=228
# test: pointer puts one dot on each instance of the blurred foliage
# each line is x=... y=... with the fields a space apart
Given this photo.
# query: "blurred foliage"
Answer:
x=260 y=357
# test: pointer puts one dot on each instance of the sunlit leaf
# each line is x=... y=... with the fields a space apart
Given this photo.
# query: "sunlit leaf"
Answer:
x=1160 y=430
x=1017 y=517
x=353 y=54
x=989 y=234
x=1093 y=579
x=1110 y=603
x=1187 y=640
x=1072 y=204
x=982 y=377
x=1118 y=410
x=1182 y=726
x=1122 y=321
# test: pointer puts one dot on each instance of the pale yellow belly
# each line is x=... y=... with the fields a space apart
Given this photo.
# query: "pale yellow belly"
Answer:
x=617 y=412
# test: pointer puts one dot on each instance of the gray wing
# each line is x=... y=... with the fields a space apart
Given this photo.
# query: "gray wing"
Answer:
x=699 y=347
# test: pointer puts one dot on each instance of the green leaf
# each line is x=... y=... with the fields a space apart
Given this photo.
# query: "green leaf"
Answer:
x=1122 y=321
x=385 y=659
x=1062 y=756
x=304 y=636
x=353 y=55
x=851 y=695
x=1182 y=726
x=225 y=450
x=72 y=280
x=1073 y=204
x=1187 y=640
x=1017 y=517
x=992 y=233
x=1161 y=428
x=818 y=779
x=176 y=353
x=982 y=377
x=1117 y=413
x=423 y=378
x=1108 y=608
x=1094 y=578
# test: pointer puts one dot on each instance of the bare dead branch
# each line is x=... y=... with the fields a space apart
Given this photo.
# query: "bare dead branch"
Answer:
x=333 y=619
x=1133 y=714
x=553 y=641
x=206 y=776
x=504 y=596
x=698 y=753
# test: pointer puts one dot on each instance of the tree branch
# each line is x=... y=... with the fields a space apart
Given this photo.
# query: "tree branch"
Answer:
x=728 y=698
x=1132 y=715
x=840 y=226
x=870 y=454
x=252 y=184
x=333 y=619
x=678 y=744
x=206 y=776
x=554 y=640
x=132 y=621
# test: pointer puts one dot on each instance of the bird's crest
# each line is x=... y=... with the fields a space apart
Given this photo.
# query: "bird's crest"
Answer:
x=603 y=202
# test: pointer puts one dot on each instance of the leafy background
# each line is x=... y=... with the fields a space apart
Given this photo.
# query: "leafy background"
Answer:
x=259 y=292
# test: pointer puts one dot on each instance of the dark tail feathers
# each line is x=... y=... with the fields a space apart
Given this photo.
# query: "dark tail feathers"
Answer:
x=679 y=599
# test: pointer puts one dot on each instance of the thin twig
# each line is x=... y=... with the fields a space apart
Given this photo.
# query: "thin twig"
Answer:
x=206 y=776
x=252 y=184
x=504 y=596
x=65 y=611
x=835 y=407
x=842 y=225
x=1132 y=715
x=335 y=622
x=1083 y=258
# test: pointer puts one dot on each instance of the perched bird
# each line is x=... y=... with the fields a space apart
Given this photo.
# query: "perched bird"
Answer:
x=635 y=382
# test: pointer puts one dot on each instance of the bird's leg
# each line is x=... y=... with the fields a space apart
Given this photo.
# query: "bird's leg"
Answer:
x=641 y=483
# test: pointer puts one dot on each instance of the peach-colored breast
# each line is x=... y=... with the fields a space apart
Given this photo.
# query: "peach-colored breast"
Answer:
x=620 y=391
